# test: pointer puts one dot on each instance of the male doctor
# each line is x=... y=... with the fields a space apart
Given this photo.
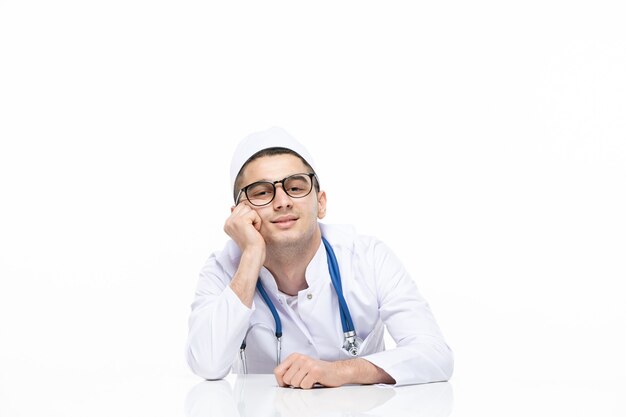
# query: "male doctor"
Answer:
x=305 y=300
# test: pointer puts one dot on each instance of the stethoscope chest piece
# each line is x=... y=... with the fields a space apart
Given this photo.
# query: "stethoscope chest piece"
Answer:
x=352 y=343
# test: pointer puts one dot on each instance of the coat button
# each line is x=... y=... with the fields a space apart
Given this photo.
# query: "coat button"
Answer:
x=309 y=296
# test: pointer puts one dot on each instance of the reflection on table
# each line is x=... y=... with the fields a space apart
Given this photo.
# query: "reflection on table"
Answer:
x=259 y=395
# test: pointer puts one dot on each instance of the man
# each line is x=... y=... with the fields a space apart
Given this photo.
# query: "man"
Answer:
x=305 y=300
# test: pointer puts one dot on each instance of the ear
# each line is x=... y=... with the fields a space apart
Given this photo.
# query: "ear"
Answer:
x=321 y=204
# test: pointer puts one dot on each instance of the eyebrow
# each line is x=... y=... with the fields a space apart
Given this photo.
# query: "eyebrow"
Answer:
x=302 y=174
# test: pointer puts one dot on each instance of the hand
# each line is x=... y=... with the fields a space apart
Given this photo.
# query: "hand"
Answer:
x=243 y=226
x=301 y=371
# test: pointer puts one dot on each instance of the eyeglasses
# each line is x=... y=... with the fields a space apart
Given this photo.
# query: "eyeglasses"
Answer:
x=261 y=193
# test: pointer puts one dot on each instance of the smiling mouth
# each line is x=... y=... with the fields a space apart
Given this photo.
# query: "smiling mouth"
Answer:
x=285 y=222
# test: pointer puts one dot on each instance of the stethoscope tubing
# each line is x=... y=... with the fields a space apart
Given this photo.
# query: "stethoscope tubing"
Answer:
x=346 y=320
x=335 y=277
x=268 y=301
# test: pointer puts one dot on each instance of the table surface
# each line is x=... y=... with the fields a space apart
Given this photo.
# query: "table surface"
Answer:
x=114 y=393
x=259 y=395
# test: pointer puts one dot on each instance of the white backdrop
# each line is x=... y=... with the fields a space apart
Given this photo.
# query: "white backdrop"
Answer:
x=484 y=142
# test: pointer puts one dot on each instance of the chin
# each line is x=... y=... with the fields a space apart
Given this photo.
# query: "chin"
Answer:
x=287 y=237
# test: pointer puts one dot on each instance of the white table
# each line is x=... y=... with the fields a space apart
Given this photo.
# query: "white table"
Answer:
x=259 y=395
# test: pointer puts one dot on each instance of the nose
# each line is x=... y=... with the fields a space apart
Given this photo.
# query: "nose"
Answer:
x=281 y=199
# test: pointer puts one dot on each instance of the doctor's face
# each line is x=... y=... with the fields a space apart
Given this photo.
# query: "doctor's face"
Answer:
x=286 y=219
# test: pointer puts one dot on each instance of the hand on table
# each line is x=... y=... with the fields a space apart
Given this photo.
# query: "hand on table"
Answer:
x=301 y=371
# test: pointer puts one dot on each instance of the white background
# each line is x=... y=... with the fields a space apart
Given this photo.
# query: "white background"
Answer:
x=483 y=141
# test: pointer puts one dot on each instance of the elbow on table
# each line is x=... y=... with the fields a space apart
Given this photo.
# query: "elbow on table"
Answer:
x=205 y=369
x=446 y=364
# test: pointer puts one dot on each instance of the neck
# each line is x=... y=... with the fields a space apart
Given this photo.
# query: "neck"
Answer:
x=288 y=264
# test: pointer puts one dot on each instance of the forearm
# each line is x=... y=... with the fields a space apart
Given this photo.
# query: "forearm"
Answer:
x=416 y=363
x=302 y=371
x=362 y=371
x=243 y=283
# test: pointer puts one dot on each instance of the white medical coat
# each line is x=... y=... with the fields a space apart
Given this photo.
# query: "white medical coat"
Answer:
x=378 y=290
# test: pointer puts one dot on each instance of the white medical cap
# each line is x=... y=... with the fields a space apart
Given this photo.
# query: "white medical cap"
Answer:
x=274 y=137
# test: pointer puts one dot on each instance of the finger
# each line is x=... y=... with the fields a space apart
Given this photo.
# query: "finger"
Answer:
x=288 y=376
x=245 y=211
x=279 y=380
x=242 y=213
x=246 y=203
x=308 y=381
x=239 y=208
x=298 y=377
x=280 y=370
x=256 y=220
x=286 y=364
x=288 y=368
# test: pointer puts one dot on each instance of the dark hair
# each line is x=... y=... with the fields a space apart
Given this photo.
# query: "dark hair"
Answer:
x=272 y=152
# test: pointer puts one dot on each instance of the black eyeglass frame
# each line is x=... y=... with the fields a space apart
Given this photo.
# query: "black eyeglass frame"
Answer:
x=244 y=190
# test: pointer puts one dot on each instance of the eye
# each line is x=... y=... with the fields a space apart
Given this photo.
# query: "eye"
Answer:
x=259 y=193
x=259 y=190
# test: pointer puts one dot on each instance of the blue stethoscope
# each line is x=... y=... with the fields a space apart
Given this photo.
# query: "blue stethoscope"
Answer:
x=351 y=341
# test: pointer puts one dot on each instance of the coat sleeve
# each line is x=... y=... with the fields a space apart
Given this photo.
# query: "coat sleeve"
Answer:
x=421 y=354
x=217 y=324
